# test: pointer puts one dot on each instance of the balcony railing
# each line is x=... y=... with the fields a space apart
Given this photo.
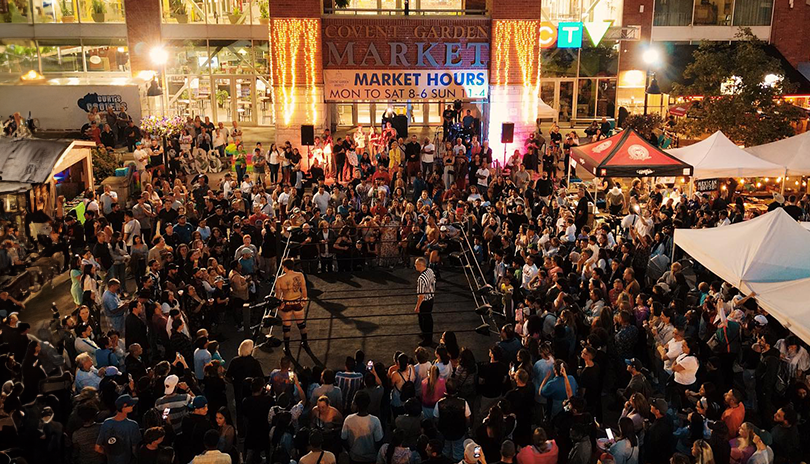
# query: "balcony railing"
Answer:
x=404 y=12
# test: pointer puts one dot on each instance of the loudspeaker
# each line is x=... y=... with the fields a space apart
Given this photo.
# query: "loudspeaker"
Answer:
x=308 y=135
x=507 y=132
x=400 y=124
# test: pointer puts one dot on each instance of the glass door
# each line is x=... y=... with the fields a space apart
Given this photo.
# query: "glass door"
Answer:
x=223 y=100
x=548 y=94
x=565 y=99
x=244 y=100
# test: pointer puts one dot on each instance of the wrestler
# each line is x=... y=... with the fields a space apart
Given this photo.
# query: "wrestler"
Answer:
x=291 y=288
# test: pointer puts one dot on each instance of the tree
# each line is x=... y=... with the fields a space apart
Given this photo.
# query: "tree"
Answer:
x=742 y=88
x=644 y=124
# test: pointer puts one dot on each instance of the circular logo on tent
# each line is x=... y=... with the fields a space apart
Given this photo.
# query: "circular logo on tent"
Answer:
x=638 y=153
x=602 y=146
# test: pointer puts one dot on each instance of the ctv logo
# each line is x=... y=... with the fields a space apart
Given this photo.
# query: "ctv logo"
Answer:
x=569 y=34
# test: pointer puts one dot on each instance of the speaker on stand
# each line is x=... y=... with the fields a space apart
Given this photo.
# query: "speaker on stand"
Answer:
x=507 y=135
x=308 y=139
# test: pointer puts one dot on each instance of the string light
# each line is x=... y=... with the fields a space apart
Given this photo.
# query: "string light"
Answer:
x=524 y=37
x=778 y=179
x=759 y=184
x=291 y=38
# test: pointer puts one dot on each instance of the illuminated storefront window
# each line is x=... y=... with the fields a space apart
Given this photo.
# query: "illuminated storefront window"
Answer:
x=580 y=10
x=16 y=58
x=225 y=79
x=712 y=12
x=63 y=11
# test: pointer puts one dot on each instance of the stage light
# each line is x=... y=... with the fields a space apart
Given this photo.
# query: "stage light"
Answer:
x=483 y=329
x=651 y=56
x=158 y=55
x=484 y=309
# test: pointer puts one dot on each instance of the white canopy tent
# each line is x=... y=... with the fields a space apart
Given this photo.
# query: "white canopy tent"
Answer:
x=793 y=153
x=717 y=156
x=769 y=255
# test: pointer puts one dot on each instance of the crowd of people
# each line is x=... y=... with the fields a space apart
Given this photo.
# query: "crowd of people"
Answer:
x=600 y=359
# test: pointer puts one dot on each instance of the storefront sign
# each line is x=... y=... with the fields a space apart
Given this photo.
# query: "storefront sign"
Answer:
x=419 y=85
x=706 y=185
x=102 y=102
x=417 y=43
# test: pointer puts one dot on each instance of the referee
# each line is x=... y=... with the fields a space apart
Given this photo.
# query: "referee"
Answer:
x=425 y=288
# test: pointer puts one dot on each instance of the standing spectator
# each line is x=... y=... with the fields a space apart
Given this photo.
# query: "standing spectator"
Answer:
x=119 y=435
x=362 y=431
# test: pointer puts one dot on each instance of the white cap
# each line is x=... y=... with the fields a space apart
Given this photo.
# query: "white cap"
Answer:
x=170 y=383
x=761 y=320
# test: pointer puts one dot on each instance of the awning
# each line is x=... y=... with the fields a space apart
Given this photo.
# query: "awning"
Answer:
x=14 y=187
x=716 y=156
x=627 y=154
x=680 y=109
x=29 y=160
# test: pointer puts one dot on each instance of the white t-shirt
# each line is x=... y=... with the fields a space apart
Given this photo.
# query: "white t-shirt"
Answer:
x=321 y=200
x=483 y=176
x=131 y=229
x=674 y=349
x=690 y=365
x=427 y=153
x=141 y=158
x=529 y=272
x=362 y=434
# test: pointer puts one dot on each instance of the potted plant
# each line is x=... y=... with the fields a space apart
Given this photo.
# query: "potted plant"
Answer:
x=99 y=10
x=264 y=12
x=236 y=15
x=179 y=11
x=222 y=96
x=67 y=11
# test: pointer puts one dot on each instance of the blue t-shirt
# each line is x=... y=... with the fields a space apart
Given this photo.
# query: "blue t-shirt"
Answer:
x=554 y=390
x=106 y=357
x=119 y=438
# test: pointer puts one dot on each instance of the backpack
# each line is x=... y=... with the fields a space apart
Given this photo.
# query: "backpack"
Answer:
x=408 y=389
x=782 y=378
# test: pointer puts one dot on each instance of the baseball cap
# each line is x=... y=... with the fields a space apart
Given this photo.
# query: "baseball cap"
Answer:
x=660 y=404
x=111 y=371
x=469 y=451
x=170 y=383
x=634 y=362
x=125 y=400
x=199 y=402
x=761 y=320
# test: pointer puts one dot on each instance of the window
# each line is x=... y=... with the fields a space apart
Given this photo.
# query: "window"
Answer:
x=452 y=5
x=187 y=57
x=602 y=60
x=16 y=58
x=559 y=62
x=231 y=57
x=713 y=12
x=101 y=11
x=261 y=53
x=578 y=10
x=752 y=12
x=61 y=56
x=106 y=55
x=673 y=13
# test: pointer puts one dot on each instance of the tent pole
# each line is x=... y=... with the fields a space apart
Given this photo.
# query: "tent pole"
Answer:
x=568 y=182
x=784 y=180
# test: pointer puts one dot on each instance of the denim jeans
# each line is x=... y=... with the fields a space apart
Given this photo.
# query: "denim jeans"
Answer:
x=454 y=449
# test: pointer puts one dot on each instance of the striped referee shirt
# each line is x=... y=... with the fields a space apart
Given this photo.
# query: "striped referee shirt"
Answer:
x=426 y=284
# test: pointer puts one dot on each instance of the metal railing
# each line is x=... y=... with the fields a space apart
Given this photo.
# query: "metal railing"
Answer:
x=402 y=12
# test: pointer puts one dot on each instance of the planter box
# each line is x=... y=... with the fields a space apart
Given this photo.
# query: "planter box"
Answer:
x=181 y=19
x=99 y=17
x=235 y=18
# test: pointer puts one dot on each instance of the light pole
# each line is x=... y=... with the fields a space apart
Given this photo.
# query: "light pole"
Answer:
x=159 y=56
x=651 y=58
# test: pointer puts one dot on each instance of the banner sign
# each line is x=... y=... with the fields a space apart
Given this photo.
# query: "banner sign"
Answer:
x=102 y=102
x=341 y=85
x=706 y=185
